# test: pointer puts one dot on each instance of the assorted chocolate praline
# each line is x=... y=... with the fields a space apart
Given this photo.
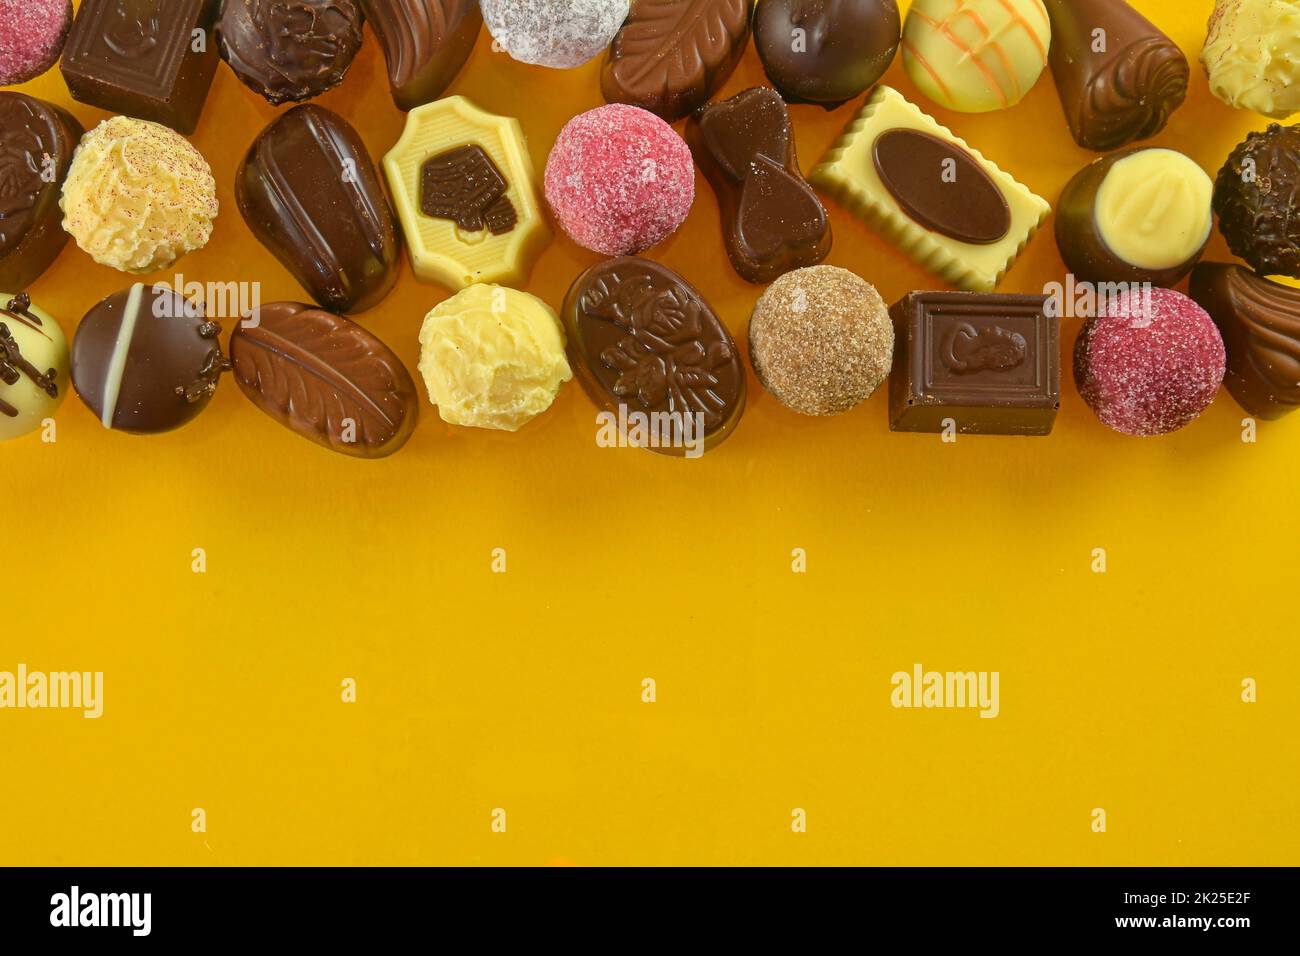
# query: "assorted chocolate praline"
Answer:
x=148 y=360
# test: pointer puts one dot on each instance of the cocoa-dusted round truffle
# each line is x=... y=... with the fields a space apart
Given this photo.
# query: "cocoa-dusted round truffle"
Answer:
x=821 y=340
x=1257 y=197
x=1150 y=362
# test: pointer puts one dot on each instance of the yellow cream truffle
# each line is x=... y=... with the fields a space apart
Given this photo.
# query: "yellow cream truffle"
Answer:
x=493 y=357
x=138 y=196
x=1252 y=55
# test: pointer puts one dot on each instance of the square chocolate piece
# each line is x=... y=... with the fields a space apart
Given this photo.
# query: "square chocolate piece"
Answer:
x=144 y=58
x=991 y=363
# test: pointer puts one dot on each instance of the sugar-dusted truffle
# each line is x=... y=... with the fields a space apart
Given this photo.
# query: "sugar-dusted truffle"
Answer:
x=557 y=33
x=619 y=180
x=1150 y=362
x=821 y=340
x=138 y=196
x=32 y=34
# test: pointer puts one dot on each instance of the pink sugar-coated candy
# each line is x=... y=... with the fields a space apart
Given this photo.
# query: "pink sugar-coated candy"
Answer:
x=32 y=33
x=619 y=180
x=1149 y=367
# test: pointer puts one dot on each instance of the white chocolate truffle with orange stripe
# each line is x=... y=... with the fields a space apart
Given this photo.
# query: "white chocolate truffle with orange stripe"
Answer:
x=975 y=56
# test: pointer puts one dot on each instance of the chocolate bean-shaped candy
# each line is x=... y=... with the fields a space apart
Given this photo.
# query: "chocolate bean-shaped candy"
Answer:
x=311 y=194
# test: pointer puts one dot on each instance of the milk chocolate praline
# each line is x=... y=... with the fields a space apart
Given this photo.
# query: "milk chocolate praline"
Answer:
x=1260 y=323
x=425 y=43
x=846 y=48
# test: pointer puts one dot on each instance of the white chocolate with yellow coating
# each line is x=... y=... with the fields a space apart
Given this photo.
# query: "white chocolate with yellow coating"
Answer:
x=493 y=357
x=848 y=172
x=138 y=196
x=975 y=56
x=1252 y=55
x=1154 y=209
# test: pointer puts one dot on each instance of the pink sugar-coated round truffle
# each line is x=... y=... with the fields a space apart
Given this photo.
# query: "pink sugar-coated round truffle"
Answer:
x=1149 y=366
x=32 y=33
x=619 y=180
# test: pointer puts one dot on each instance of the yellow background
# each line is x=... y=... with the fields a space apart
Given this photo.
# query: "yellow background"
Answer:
x=523 y=690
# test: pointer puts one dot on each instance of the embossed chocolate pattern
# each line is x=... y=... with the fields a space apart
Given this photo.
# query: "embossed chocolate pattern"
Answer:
x=1260 y=322
x=993 y=348
x=1257 y=198
x=325 y=378
x=289 y=50
x=32 y=134
x=310 y=193
x=425 y=43
x=671 y=56
x=639 y=335
x=773 y=222
x=989 y=362
x=941 y=187
x=1126 y=91
x=465 y=186
x=136 y=57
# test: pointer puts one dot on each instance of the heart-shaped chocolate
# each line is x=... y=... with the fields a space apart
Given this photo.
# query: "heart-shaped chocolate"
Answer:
x=778 y=215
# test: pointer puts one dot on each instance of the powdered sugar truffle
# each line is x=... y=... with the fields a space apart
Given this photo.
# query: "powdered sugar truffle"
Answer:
x=555 y=33
x=619 y=180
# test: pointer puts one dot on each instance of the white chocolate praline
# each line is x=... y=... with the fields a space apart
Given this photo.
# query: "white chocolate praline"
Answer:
x=138 y=196
x=1252 y=55
x=974 y=56
x=557 y=33
x=1154 y=209
x=41 y=347
x=493 y=357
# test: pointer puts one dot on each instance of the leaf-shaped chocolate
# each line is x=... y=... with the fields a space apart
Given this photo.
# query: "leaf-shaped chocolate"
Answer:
x=326 y=378
x=671 y=56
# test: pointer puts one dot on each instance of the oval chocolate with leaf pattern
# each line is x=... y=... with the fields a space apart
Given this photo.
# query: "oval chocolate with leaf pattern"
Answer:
x=649 y=350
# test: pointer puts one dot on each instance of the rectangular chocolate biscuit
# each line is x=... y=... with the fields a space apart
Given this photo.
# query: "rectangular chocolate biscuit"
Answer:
x=151 y=59
x=989 y=363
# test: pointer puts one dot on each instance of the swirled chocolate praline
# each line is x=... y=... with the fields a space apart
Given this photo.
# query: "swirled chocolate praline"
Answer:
x=1123 y=92
x=1133 y=97
x=1260 y=322
x=1257 y=197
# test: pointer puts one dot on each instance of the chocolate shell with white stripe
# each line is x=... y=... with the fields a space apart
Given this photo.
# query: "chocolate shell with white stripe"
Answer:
x=147 y=360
